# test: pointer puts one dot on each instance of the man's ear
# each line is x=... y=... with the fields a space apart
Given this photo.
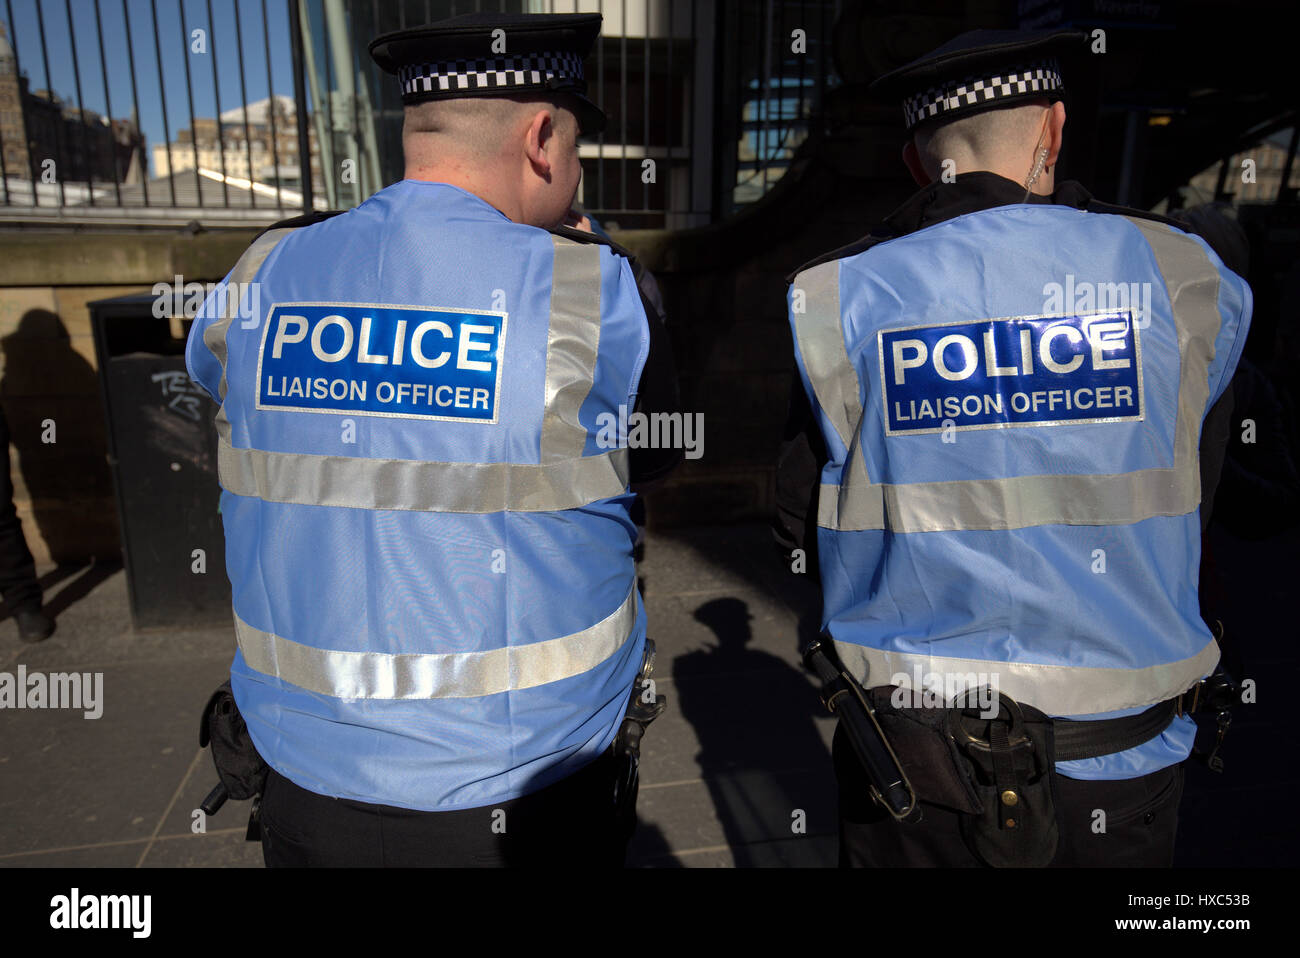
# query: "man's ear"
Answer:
x=537 y=140
x=1055 y=124
x=912 y=160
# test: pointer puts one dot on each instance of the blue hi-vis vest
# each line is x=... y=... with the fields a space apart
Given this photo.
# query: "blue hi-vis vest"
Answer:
x=430 y=551
x=1011 y=402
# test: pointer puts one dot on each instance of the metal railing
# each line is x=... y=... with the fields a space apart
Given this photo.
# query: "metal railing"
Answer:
x=74 y=156
x=708 y=99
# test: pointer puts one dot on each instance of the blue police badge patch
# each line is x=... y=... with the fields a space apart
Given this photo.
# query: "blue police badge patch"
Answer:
x=412 y=362
x=1017 y=371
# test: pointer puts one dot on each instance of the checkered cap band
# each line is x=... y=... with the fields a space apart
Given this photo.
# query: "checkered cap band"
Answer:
x=1042 y=77
x=496 y=73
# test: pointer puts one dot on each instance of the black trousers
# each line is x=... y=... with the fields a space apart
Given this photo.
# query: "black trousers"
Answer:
x=570 y=823
x=1140 y=819
x=18 y=582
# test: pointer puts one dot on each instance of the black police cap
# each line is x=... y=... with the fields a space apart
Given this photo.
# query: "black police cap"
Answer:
x=980 y=70
x=464 y=56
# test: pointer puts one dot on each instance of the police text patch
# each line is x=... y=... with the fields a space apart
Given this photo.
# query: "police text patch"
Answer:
x=406 y=361
x=1021 y=371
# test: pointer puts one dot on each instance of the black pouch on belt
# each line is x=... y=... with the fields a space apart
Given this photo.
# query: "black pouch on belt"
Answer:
x=923 y=740
x=239 y=766
x=1011 y=757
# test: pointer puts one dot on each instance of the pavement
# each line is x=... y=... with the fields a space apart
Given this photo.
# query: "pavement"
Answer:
x=736 y=773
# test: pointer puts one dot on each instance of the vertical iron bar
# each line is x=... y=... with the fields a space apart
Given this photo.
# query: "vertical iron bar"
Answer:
x=378 y=84
x=670 y=111
x=695 y=81
x=1223 y=178
x=803 y=60
x=600 y=80
x=1290 y=160
x=645 y=103
x=108 y=103
x=329 y=102
x=622 y=95
x=243 y=99
x=300 y=95
x=49 y=88
x=27 y=136
x=272 y=106
x=730 y=199
x=216 y=98
x=822 y=56
x=81 y=106
x=135 y=102
x=764 y=71
x=162 y=92
x=780 y=37
x=358 y=148
x=189 y=97
x=4 y=167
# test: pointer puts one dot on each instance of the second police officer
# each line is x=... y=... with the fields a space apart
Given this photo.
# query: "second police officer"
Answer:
x=1013 y=486
x=430 y=548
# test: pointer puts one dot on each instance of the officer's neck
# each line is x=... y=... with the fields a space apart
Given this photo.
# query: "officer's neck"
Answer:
x=488 y=188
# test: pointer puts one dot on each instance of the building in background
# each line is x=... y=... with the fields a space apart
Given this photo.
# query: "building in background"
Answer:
x=39 y=126
x=260 y=145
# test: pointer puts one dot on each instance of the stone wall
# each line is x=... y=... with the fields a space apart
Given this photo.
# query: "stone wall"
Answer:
x=48 y=372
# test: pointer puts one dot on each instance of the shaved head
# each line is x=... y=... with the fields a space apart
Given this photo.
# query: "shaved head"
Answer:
x=518 y=153
x=472 y=128
x=981 y=139
x=1020 y=142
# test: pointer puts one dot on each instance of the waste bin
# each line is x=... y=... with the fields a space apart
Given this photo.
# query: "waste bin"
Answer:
x=163 y=455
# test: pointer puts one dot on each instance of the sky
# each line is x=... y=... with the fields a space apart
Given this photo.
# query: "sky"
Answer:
x=175 y=21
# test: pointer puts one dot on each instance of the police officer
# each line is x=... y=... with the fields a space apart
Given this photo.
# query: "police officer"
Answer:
x=1016 y=398
x=428 y=532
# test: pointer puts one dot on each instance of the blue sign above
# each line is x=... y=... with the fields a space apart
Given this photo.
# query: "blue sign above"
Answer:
x=1021 y=371
x=406 y=361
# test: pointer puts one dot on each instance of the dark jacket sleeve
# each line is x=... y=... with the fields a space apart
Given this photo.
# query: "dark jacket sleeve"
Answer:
x=1214 y=447
x=798 y=478
x=657 y=392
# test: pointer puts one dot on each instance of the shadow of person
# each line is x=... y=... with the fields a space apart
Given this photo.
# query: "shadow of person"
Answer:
x=761 y=755
x=52 y=402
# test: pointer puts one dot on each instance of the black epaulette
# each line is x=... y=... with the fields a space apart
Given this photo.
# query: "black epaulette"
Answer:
x=1097 y=206
x=857 y=246
x=582 y=236
x=306 y=219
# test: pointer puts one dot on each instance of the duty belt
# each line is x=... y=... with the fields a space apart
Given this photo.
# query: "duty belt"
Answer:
x=1077 y=740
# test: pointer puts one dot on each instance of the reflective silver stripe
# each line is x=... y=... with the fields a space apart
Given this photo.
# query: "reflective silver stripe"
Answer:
x=436 y=675
x=1193 y=286
x=1055 y=689
x=412 y=484
x=572 y=341
x=214 y=337
x=1020 y=501
x=1015 y=502
x=821 y=344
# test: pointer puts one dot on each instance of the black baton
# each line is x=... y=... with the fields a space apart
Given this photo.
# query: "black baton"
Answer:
x=843 y=698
